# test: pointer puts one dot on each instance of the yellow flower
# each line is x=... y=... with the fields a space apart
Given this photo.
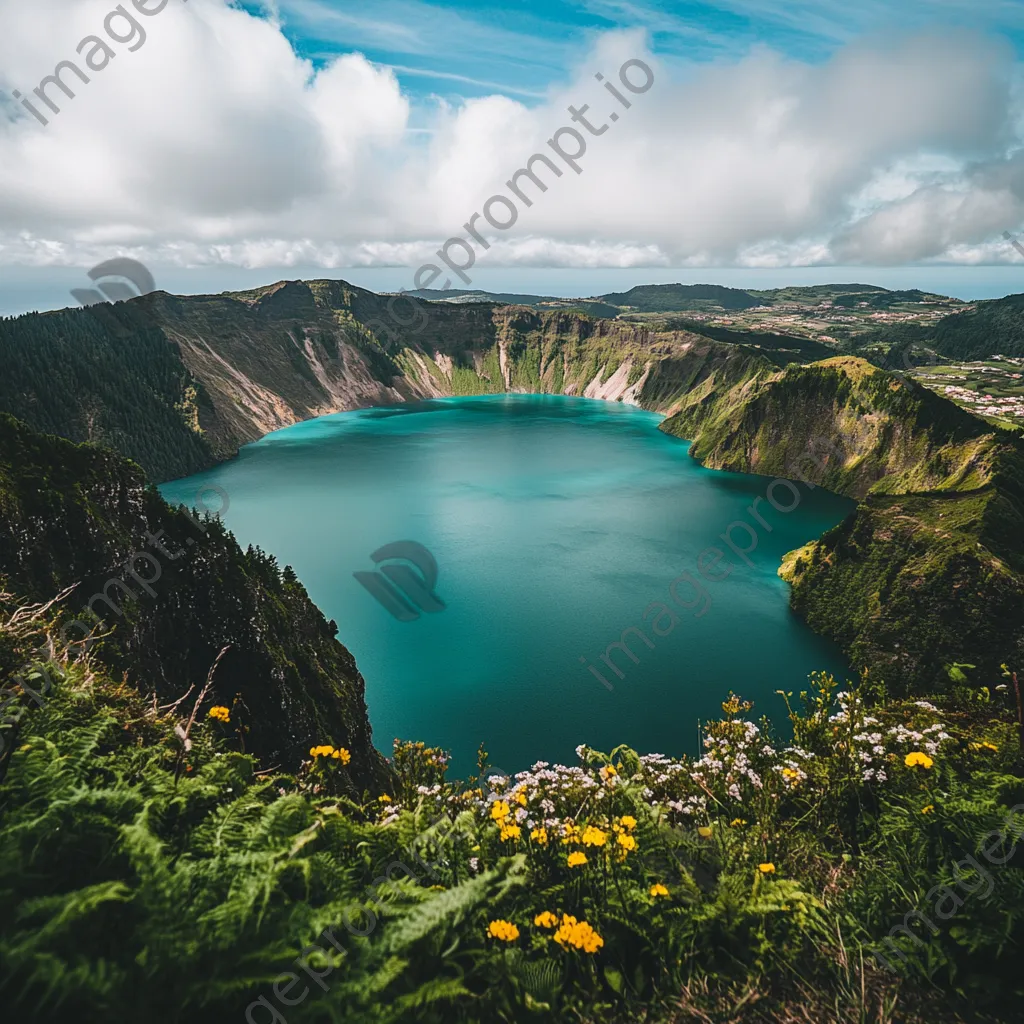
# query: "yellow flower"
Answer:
x=984 y=745
x=767 y=868
x=384 y=798
x=221 y=713
x=504 y=930
x=626 y=842
x=576 y=859
x=658 y=889
x=499 y=810
x=540 y=835
x=324 y=750
x=704 y=832
x=917 y=758
x=928 y=809
x=520 y=799
x=342 y=755
x=628 y=821
x=594 y=836
x=571 y=833
x=736 y=822
x=791 y=775
x=545 y=920
x=578 y=934
x=608 y=772
x=510 y=832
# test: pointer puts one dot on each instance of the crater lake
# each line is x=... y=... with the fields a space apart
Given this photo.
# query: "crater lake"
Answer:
x=556 y=524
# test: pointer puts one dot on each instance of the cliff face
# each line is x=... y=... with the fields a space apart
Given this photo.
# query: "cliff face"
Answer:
x=174 y=592
x=929 y=569
x=297 y=350
x=179 y=383
x=844 y=424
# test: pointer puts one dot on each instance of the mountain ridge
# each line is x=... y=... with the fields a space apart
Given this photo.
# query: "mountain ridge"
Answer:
x=236 y=366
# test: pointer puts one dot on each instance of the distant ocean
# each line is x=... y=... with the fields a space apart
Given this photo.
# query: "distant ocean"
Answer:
x=23 y=289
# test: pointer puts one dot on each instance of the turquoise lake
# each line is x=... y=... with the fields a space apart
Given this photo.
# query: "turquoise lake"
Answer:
x=555 y=523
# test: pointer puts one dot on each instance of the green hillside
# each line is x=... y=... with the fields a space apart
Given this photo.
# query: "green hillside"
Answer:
x=993 y=327
x=929 y=570
x=662 y=298
x=109 y=376
x=162 y=594
x=987 y=328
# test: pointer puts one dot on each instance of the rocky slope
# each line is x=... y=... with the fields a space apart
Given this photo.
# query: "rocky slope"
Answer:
x=174 y=592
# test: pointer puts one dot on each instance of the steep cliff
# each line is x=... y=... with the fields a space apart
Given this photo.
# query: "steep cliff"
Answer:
x=929 y=569
x=172 y=592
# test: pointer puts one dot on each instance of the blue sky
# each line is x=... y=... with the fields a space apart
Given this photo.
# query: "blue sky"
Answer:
x=463 y=49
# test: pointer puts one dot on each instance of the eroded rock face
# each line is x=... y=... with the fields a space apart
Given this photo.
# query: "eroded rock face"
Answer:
x=264 y=362
x=180 y=383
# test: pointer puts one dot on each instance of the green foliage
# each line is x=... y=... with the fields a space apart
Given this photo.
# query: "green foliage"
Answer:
x=74 y=516
x=657 y=298
x=992 y=327
x=130 y=890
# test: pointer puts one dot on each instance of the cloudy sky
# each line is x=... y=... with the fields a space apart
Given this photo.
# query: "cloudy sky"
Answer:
x=781 y=140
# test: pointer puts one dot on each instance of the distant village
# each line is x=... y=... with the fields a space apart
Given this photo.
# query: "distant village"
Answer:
x=795 y=317
x=984 y=378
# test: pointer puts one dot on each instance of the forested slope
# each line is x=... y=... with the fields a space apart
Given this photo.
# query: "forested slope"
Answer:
x=172 y=593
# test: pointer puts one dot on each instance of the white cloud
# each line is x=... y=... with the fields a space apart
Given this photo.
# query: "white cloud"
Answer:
x=215 y=143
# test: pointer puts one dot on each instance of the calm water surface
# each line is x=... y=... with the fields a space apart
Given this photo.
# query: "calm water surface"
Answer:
x=555 y=523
